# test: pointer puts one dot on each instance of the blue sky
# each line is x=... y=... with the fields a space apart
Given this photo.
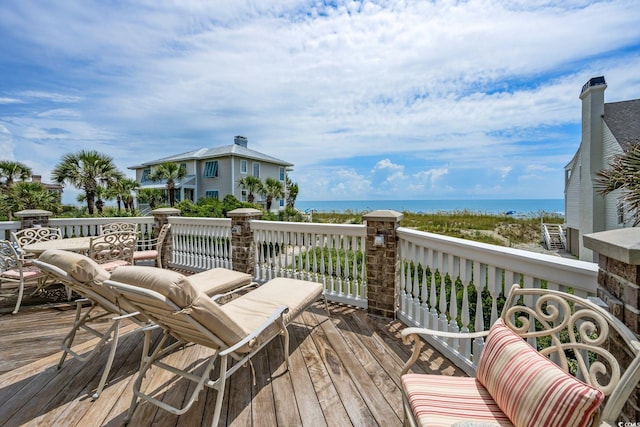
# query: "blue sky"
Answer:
x=369 y=99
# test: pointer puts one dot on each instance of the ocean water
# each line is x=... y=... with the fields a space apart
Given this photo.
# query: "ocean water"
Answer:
x=520 y=207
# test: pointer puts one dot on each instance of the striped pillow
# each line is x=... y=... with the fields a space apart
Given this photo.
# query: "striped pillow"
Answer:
x=529 y=388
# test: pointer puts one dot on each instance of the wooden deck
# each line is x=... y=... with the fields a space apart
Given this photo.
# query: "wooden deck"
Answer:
x=344 y=371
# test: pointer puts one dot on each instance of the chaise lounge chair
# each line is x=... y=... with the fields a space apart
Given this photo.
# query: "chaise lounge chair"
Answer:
x=86 y=277
x=236 y=330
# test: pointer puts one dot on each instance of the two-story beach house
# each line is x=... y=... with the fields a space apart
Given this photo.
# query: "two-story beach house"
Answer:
x=607 y=130
x=215 y=172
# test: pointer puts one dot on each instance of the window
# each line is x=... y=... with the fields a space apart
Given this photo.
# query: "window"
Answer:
x=211 y=169
x=282 y=203
x=256 y=170
x=145 y=175
x=243 y=166
x=183 y=166
x=243 y=196
x=281 y=174
x=620 y=212
x=211 y=194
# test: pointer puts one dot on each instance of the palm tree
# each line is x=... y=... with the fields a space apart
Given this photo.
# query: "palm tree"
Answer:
x=172 y=172
x=251 y=185
x=623 y=174
x=292 y=192
x=29 y=195
x=11 y=171
x=272 y=189
x=121 y=191
x=86 y=170
x=152 y=196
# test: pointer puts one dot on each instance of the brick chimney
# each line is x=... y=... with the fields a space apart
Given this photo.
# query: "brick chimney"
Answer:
x=240 y=140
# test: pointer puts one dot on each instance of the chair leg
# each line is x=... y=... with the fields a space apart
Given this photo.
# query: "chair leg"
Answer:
x=20 y=293
x=107 y=368
x=220 y=396
x=326 y=305
x=67 y=341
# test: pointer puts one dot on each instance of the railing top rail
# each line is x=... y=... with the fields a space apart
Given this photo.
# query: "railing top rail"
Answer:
x=543 y=266
x=357 y=230
x=220 y=222
x=57 y=222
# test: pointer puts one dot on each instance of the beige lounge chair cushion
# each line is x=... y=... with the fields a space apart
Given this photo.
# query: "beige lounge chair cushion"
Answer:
x=231 y=322
x=178 y=289
x=81 y=268
x=254 y=307
x=219 y=280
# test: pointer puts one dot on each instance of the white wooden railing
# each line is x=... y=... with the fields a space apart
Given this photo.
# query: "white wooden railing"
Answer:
x=481 y=273
x=331 y=254
x=334 y=255
x=76 y=227
x=200 y=244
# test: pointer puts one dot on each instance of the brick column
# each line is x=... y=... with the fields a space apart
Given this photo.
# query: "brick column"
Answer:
x=161 y=217
x=383 y=274
x=30 y=218
x=619 y=287
x=242 y=255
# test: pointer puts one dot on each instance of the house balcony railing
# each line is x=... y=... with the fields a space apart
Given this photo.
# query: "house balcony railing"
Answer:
x=440 y=281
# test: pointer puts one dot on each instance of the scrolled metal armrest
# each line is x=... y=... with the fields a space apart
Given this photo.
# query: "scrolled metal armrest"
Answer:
x=414 y=333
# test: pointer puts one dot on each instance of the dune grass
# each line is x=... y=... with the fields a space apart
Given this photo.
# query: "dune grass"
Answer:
x=502 y=230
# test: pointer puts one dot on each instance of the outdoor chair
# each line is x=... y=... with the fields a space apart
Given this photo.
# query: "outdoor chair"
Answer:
x=575 y=378
x=14 y=269
x=114 y=227
x=34 y=235
x=236 y=330
x=114 y=249
x=151 y=249
x=85 y=277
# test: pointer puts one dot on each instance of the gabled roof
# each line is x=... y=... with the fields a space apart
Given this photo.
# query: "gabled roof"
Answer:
x=212 y=153
x=623 y=119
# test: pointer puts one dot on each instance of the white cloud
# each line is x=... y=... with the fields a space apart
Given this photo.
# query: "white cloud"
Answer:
x=387 y=90
x=6 y=143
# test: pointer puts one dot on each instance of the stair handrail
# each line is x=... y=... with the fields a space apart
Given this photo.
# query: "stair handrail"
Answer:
x=546 y=237
x=563 y=237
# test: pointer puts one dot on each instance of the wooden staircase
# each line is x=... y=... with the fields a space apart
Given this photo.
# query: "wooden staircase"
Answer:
x=553 y=236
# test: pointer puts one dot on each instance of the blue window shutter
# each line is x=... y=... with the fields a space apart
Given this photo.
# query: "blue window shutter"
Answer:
x=211 y=169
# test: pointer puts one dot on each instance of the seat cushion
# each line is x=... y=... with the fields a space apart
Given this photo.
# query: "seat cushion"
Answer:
x=530 y=388
x=219 y=280
x=29 y=272
x=78 y=266
x=112 y=265
x=148 y=254
x=192 y=302
x=256 y=306
x=441 y=400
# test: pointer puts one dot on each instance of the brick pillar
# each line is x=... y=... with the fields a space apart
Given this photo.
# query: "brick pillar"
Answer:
x=30 y=218
x=161 y=217
x=242 y=255
x=619 y=287
x=383 y=274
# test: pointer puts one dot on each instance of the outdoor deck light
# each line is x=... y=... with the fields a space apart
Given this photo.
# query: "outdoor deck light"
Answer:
x=379 y=240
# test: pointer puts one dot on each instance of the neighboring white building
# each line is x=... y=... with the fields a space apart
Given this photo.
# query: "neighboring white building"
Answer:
x=214 y=172
x=607 y=130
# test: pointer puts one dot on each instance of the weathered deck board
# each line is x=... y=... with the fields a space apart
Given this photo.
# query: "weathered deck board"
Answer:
x=344 y=370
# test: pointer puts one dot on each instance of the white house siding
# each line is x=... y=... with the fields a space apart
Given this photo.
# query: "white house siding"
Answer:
x=572 y=196
x=610 y=149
